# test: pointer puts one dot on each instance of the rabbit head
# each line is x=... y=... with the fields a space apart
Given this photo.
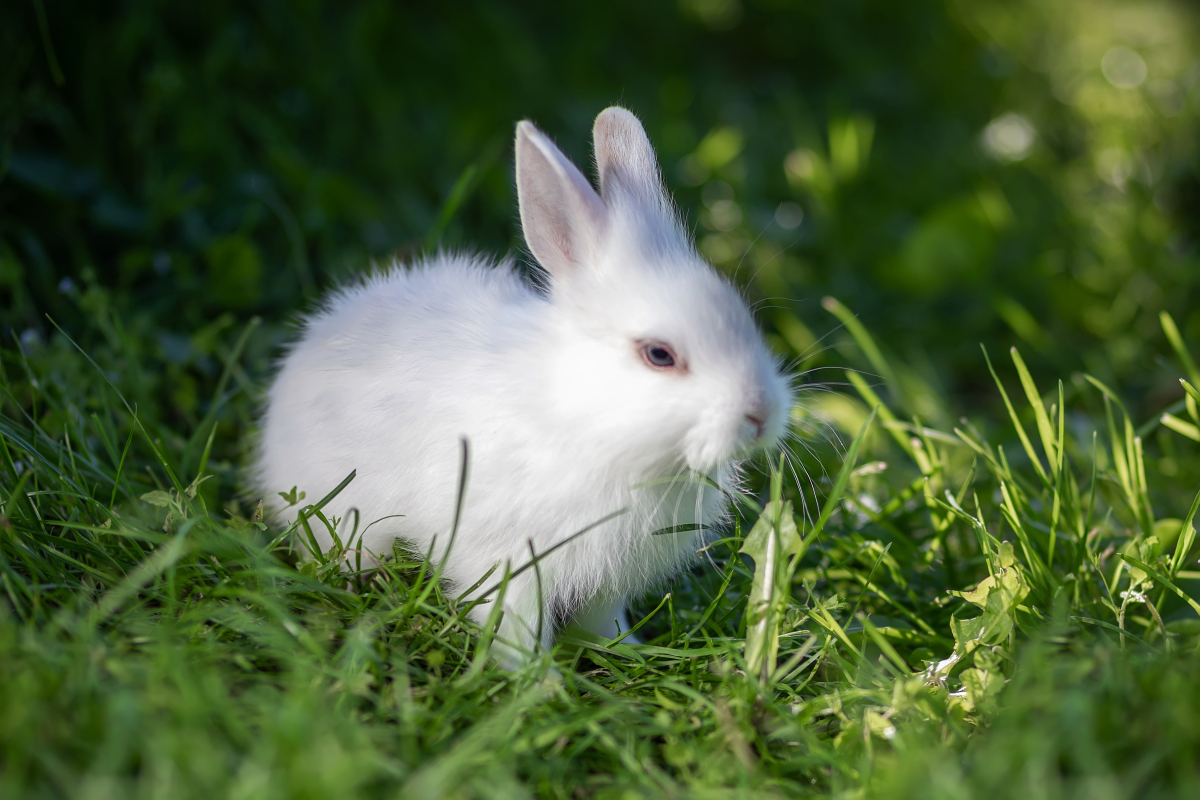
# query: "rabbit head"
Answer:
x=655 y=349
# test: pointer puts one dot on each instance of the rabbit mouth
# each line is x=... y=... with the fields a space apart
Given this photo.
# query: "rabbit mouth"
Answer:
x=714 y=457
x=759 y=430
x=751 y=435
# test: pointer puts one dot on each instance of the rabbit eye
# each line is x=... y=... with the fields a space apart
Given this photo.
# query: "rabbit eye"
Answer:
x=658 y=355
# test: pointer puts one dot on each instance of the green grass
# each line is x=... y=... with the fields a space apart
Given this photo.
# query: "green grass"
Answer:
x=991 y=605
x=973 y=616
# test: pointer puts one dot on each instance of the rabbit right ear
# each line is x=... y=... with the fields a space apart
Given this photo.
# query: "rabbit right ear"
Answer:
x=625 y=158
x=561 y=215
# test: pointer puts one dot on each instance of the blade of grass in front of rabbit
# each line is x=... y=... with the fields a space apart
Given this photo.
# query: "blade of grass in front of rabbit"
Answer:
x=730 y=569
x=350 y=548
x=827 y=510
x=488 y=630
x=843 y=479
x=538 y=558
x=310 y=509
x=381 y=519
x=471 y=589
x=674 y=480
x=549 y=550
x=768 y=546
x=706 y=480
x=635 y=628
x=541 y=598
x=459 y=497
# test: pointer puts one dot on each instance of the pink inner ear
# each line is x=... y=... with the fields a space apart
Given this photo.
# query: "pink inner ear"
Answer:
x=563 y=243
x=561 y=215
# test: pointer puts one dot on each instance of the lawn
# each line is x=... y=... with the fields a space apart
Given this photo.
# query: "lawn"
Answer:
x=971 y=226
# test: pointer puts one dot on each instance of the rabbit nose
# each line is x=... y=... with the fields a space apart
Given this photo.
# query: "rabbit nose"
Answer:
x=758 y=419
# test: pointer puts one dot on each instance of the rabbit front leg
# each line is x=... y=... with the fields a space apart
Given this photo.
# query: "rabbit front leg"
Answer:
x=606 y=617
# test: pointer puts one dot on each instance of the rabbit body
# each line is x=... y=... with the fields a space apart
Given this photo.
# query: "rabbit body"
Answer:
x=562 y=389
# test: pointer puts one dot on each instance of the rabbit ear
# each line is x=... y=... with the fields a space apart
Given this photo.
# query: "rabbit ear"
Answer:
x=625 y=158
x=561 y=215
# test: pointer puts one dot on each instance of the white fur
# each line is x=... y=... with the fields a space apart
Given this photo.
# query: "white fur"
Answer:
x=565 y=421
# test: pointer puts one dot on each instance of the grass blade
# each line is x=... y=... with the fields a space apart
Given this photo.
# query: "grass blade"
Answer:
x=1163 y=579
x=1045 y=429
x=1172 y=332
x=1012 y=413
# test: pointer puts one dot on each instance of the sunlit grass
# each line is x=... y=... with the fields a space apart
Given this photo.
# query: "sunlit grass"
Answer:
x=961 y=614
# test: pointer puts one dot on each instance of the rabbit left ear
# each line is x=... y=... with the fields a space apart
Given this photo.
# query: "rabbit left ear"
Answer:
x=562 y=217
x=625 y=158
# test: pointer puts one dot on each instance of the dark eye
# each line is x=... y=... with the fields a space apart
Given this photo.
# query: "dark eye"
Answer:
x=658 y=355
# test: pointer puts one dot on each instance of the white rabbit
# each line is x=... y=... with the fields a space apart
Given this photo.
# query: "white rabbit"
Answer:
x=630 y=377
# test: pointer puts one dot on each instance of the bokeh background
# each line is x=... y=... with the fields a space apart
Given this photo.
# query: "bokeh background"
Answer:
x=955 y=172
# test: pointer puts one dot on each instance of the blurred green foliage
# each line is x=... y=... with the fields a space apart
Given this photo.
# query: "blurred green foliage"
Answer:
x=956 y=172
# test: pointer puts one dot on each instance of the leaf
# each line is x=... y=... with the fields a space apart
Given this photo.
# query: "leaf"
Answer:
x=293 y=497
x=990 y=627
x=998 y=596
x=982 y=688
x=194 y=486
x=157 y=498
x=759 y=538
x=1008 y=581
x=772 y=543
